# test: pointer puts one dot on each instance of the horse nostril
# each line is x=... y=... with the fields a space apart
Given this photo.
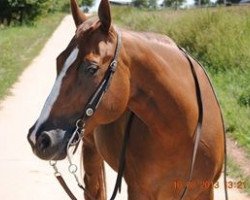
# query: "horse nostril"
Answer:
x=51 y=144
x=44 y=141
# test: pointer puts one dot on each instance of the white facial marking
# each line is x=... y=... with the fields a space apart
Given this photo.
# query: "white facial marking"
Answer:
x=53 y=94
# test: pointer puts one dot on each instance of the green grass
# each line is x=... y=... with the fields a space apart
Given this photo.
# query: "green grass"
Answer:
x=19 y=45
x=231 y=85
x=220 y=39
x=217 y=36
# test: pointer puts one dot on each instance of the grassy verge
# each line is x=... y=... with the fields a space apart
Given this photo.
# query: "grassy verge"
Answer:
x=220 y=39
x=235 y=172
x=233 y=87
x=19 y=45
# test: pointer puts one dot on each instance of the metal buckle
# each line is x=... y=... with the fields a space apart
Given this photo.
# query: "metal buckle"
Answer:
x=53 y=164
x=80 y=124
x=113 y=65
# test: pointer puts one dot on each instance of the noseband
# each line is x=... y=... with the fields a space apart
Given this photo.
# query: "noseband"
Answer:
x=88 y=112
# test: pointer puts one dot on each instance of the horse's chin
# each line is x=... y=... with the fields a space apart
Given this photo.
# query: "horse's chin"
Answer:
x=52 y=154
x=48 y=156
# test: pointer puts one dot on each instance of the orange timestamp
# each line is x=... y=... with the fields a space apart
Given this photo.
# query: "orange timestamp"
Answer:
x=236 y=185
x=205 y=184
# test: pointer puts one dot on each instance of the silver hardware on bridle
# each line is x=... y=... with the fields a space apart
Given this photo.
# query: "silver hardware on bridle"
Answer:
x=72 y=168
x=53 y=164
x=89 y=112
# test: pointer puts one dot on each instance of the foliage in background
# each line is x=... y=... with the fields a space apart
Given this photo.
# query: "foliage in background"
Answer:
x=201 y=2
x=88 y=3
x=220 y=39
x=13 y=11
x=153 y=4
x=228 y=1
x=19 y=45
x=173 y=3
x=140 y=3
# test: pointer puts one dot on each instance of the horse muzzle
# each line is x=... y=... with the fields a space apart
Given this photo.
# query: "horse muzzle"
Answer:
x=51 y=145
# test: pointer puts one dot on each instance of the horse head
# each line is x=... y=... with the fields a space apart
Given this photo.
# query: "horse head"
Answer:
x=81 y=69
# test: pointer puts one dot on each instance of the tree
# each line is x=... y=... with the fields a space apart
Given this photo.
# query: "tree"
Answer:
x=202 y=2
x=18 y=10
x=27 y=10
x=173 y=3
x=140 y=3
x=152 y=4
x=228 y=1
x=88 y=3
x=145 y=3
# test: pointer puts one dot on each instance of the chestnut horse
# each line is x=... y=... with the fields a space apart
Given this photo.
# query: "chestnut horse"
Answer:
x=152 y=78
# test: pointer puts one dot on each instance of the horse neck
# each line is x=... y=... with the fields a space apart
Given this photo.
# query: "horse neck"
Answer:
x=162 y=87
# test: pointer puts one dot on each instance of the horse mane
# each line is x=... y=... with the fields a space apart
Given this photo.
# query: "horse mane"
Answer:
x=152 y=37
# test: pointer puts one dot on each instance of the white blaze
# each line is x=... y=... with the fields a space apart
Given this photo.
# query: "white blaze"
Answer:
x=53 y=94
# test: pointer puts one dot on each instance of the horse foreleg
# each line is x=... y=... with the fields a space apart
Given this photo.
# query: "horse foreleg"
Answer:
x=94 y=177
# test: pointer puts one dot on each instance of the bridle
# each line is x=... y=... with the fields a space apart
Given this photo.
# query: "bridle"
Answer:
x=90 y=109
x=78 y=133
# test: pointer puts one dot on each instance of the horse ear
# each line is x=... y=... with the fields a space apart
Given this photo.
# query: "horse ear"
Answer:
x=104 y=15
x=78 y=16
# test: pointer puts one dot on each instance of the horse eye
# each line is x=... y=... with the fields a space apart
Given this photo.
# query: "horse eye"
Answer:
x=92 y=69
x=89 y=67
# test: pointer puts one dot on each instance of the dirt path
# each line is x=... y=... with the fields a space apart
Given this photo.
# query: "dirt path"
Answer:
x=22 y=175
x=239 y=156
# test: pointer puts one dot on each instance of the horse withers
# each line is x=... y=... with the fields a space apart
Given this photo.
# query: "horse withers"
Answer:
x=105 y=74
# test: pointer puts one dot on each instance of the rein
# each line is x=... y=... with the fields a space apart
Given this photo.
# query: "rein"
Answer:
x=199 y=124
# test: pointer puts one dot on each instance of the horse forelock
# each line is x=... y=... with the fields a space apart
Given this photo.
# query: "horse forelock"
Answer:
x=87 y=27
x=90 y=38
x=54 y=94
